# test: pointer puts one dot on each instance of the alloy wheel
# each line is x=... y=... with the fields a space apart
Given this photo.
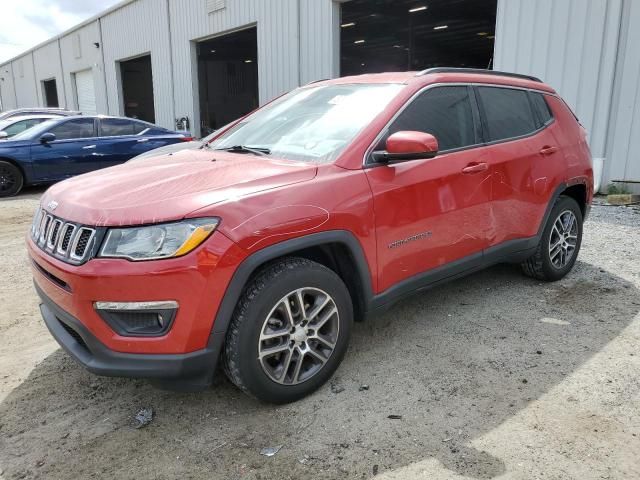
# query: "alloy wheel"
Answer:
x=7 y=179
x=298 y=336
x=563 y=239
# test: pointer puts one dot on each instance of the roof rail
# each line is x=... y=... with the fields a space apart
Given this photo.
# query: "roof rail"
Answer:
x=477 y=71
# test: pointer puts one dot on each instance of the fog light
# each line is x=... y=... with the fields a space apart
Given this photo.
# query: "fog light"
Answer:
x=138 y=319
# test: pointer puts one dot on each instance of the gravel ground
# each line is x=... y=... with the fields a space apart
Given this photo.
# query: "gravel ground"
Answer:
x=493 y=376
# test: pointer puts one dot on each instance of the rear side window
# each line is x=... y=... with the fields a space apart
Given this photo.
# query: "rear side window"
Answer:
x=77 y=128
x=115 y=127
x=507 y=112
x=541 y=108
x=445 y=113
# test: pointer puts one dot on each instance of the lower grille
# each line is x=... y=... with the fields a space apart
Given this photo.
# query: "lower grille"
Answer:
x=76 y=336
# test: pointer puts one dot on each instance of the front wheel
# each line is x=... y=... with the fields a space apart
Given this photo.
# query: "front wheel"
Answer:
x=11 y=179
x=289 y=332
x=561 y=239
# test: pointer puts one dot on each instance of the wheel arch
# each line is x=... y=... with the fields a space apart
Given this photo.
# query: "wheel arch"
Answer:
x=338 y=250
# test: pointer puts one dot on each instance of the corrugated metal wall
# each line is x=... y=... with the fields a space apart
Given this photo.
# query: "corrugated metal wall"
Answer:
x=278 y=55
x=7 y=90
x=582 y=48
x=136 y=29
x=47 y=66
x=78 y=53
x=25 y=81
x=298 y=42
x=624 y=143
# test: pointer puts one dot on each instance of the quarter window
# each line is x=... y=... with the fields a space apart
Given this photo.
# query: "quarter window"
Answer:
x=445 y=113
x=508 y=113
x=541 y=108
x=72 y=129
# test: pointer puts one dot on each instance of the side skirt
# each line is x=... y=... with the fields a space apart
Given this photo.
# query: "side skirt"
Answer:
x=513 y=251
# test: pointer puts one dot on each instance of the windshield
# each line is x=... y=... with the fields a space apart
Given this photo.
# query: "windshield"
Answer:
x=312 y=124
x=35 y=131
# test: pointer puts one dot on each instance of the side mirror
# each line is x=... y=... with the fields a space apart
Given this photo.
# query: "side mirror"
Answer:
x=4 y=135
x=408 y=145
x=47 y=137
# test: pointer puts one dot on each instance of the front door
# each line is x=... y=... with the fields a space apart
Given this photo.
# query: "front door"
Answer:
x=74 y=151
x=432 y=213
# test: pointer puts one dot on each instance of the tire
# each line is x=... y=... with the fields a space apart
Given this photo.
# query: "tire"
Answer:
x=268 y=307
x=11 y=179
x=551 y=264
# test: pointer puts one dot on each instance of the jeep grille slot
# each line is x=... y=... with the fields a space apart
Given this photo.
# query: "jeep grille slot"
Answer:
x=66 y=241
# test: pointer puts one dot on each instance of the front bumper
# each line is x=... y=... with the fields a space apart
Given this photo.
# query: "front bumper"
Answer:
x=189 y=371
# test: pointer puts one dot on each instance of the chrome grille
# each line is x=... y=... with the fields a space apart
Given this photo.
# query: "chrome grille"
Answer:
x=64 y=240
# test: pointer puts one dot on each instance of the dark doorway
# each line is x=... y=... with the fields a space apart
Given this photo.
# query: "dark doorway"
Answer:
x=405 y=35
x=50 y=93
x=137 y=88
x=227 y=78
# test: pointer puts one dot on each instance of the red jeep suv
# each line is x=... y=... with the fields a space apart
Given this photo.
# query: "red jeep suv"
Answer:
x=325 y=206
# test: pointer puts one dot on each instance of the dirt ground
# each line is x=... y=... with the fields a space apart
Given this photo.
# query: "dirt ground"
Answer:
x=494 y=376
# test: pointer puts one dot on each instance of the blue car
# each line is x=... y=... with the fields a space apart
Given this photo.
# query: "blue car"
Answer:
x=67 y=146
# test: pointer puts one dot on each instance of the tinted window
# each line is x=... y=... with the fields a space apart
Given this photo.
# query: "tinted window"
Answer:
x=77 y=128
x=541 y=108
x=508 y=113
x=444 y=112
x=113 y=127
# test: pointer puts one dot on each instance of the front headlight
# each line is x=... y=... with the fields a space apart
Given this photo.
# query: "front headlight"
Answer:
x=157 y=241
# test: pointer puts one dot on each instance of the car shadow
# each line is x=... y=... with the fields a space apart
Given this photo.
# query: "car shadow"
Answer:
x=448 y=366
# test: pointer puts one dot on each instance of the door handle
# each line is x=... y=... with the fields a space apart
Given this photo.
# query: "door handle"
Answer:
x=546 y=151
x=89 y=147
x=475 y=168
x=142 y=140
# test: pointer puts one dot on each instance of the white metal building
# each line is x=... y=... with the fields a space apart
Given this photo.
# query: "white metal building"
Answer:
x=201 y=63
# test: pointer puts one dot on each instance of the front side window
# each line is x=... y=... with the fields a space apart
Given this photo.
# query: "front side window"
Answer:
x=311 y=124
x=72 y=129
x=444 y=112
x=507 y=112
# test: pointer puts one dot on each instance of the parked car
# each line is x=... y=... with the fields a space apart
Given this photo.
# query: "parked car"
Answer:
x=14 y=125
x=68 y=146
x=61 y=112
x=176 y=147
x=326 y=206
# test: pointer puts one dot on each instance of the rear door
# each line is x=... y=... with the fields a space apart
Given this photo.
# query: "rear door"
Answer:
x=72 y=152
x=122 y=139
x=430 y=213
x=524 y=159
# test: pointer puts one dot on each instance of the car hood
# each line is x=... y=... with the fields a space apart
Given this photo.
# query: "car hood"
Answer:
x=170 y=187
x=173 y=148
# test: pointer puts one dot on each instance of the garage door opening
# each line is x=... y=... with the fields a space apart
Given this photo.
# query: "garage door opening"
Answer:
x=50 y=93
x=227 y=78
x=406 y=35
x=137 y=88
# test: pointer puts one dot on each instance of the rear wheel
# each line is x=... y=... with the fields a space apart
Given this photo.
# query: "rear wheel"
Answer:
x=11 y=179
x=560 y=243
x=289 y=331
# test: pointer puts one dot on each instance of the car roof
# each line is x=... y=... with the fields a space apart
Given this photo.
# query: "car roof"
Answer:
x=445 y=75
x=18 y=118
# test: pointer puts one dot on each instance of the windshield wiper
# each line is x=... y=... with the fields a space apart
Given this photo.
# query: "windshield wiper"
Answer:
x=261 y=151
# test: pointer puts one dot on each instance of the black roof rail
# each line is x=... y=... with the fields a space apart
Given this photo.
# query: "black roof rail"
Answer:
x=478 y=71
